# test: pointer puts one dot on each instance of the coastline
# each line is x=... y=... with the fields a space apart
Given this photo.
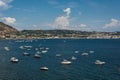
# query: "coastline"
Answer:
x=52 y=38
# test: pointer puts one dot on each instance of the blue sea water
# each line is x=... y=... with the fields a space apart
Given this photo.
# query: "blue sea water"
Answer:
x=83 y=68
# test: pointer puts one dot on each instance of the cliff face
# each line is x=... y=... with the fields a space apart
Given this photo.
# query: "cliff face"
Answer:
x=4 y=28
x=7 y=31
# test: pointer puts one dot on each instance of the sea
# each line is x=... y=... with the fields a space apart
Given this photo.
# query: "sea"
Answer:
x=83 y=68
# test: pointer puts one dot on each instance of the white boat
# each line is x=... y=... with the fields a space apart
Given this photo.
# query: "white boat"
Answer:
x=99 y=62
x=27 y=47
x=58 y=55
x=44 y=68
x=73 y=58
x=38 y=52
x=21 y=47
x=84 y=54
x=66 y=62
x=26 y=54
x=47 y=48
x=91 y=51
x=44 y=51
x=36 y=49
x=76 y=51
x=37 y=56
x=14 y=59
x=6 y=48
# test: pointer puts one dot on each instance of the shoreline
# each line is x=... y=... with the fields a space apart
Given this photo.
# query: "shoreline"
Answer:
x=53 y=38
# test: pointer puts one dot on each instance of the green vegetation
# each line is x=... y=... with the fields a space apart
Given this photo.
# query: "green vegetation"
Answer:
x=7 y=31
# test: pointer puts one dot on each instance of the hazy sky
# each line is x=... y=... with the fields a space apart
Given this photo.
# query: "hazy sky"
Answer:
x=85 y=15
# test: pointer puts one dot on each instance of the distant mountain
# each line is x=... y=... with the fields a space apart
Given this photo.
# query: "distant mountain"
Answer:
x=4 y=28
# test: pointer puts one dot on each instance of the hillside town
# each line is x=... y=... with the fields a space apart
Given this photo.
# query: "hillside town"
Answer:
x=8 y=32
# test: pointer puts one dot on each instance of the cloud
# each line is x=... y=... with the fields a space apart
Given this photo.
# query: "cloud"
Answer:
x=5 y=4
x=62 y=22
x=8 y=20
x=68 y=11
x=112 y=24
x=82 y=27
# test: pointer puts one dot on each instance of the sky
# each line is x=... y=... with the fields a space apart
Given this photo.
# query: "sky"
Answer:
x=84 y=15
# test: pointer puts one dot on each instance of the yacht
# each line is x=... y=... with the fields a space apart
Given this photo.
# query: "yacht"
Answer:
x=99 y=62
x=6 y=48
x=37 y=56
x=84 y=54
x=14 y=59
x=21 y=47
x=44 y=68
x=73 y=58
x=47 y=48
x=76 y=51
x=58 y=55
x=36 y=49
x=44 y=51
x=66 y=62
x=26 y=54
x=27 y=46
x=91 y=51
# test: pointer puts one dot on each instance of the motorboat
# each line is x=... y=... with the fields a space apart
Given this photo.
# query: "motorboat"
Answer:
x=6 y=48
x=44 y=68
x=21 y=47
x=99 y=62
x=14 y=59
x=73 y=58
x=37 y=56
x=27 y=46
x=36 y=49
x=84 y=54
x=47 y=48
x=91 y=51
x=26 y=54
x=66 y=62
x=58 y=55
x=44 y=51
x=38 y=52
x=76 y=51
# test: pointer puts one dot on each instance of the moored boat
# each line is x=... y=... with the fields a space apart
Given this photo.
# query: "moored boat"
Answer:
x=44 y=51
x=14 y=59
x=73 y=58
x=66 y=62
x=91 y=51
x=26 y=54
x=99 y=62
x=44 y=68
x=58 y=55
x=76 y=51
x=84 y=54
x=6 y=48
x=37 y=56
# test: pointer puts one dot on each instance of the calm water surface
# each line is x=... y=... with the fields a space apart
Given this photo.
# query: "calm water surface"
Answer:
x=83 y=68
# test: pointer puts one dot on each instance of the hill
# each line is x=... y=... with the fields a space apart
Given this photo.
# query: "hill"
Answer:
x=6 y=30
